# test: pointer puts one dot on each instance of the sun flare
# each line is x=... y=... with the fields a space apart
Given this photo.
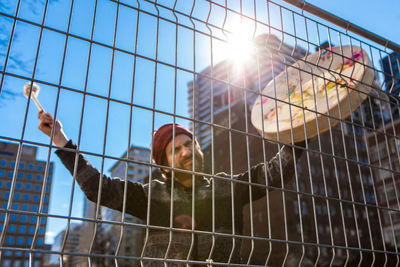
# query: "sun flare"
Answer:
x=240 y=45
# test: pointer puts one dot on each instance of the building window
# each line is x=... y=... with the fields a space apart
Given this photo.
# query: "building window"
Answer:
x=8 y=184
x=20 y=240
x=34 y=207
x=40 y=167
x=3 y=163
x=38 y=177
x=20 y=175
x=12 y=228
x=1 y=173
x=31 y=167
x=10 y=240
x=29 y=176
x=19 y=186
x=23 y=218
x=22 y=229
x=12 y=164
x=25 y=207
x=28 y=186
x=17 y=196
x=22 y=165
x=31 y=229
x=36 y=198
x=26 y=197
x=10 y=174
x=37 y=187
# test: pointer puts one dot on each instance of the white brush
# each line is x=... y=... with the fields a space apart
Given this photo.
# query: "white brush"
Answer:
x=34 y=94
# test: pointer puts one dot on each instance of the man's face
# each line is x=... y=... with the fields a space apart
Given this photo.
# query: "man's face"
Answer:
x=184 y=153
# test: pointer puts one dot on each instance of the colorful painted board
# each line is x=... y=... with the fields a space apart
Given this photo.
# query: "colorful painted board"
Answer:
x=325 y=83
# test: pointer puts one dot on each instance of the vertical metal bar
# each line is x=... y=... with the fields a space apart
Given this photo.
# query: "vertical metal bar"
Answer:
x=247 y=147
x=390 y=166
x=233 y=213
x=335 y=169
x=98 y=208
x=193 y=140
x=17 y=161
x=359 y=167
x=171 y=222
x=279 y=148
x=122 y=226
x=260 y=94
x=49 y=152
x=320 y=147
x=83 y=106
x=383 y=182
x=347 y=157
x=9 y=205
x=19 y=151
x=370 y=167
x=212 y=126
x=262 y=124
x=308 y=158
x=149 y=194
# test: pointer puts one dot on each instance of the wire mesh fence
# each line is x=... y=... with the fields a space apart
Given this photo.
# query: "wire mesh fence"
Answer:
x=291 y=157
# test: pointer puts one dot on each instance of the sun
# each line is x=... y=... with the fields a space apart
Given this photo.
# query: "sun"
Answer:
x=240 y=45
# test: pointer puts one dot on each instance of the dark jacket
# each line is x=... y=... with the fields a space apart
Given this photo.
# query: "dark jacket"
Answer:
x=218 y=229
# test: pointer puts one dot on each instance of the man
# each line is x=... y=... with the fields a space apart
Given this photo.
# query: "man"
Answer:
x=217 y=201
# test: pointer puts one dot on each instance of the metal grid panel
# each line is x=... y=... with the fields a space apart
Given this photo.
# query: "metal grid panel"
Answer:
x=115 y=71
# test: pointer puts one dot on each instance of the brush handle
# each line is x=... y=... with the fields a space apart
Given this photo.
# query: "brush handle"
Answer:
x=37 y=102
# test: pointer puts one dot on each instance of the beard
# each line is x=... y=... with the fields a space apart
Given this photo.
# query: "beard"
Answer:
x=187 y=163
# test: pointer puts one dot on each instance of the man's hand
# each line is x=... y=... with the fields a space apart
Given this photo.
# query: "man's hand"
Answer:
x=46 y=124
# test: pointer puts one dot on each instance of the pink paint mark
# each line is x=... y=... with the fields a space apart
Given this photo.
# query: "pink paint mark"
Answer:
x=356 y=56
x=264 y=100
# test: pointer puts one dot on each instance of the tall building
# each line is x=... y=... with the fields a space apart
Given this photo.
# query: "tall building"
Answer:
x=71 y=245
x=391 y=71
x=385 y=159
x=23 y=214
x=108 y=235
x=319 y=177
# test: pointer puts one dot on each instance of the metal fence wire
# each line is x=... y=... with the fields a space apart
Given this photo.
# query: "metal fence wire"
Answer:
x=295 y=113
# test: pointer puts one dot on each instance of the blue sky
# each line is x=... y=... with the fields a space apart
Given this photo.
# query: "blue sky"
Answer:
x=118 y=82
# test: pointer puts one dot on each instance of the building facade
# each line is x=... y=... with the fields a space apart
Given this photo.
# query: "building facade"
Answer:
x=23 y=211
x=71 y=245
x=391 y=71
x=311 y=208
x=385 y=162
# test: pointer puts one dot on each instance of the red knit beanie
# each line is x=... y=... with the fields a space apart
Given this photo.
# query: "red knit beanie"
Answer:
x=162 y=137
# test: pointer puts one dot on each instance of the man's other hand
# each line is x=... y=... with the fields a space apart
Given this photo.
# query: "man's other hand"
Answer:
x=46 y=124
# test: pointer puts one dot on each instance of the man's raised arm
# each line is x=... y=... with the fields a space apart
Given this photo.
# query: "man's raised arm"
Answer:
x=88 y=177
